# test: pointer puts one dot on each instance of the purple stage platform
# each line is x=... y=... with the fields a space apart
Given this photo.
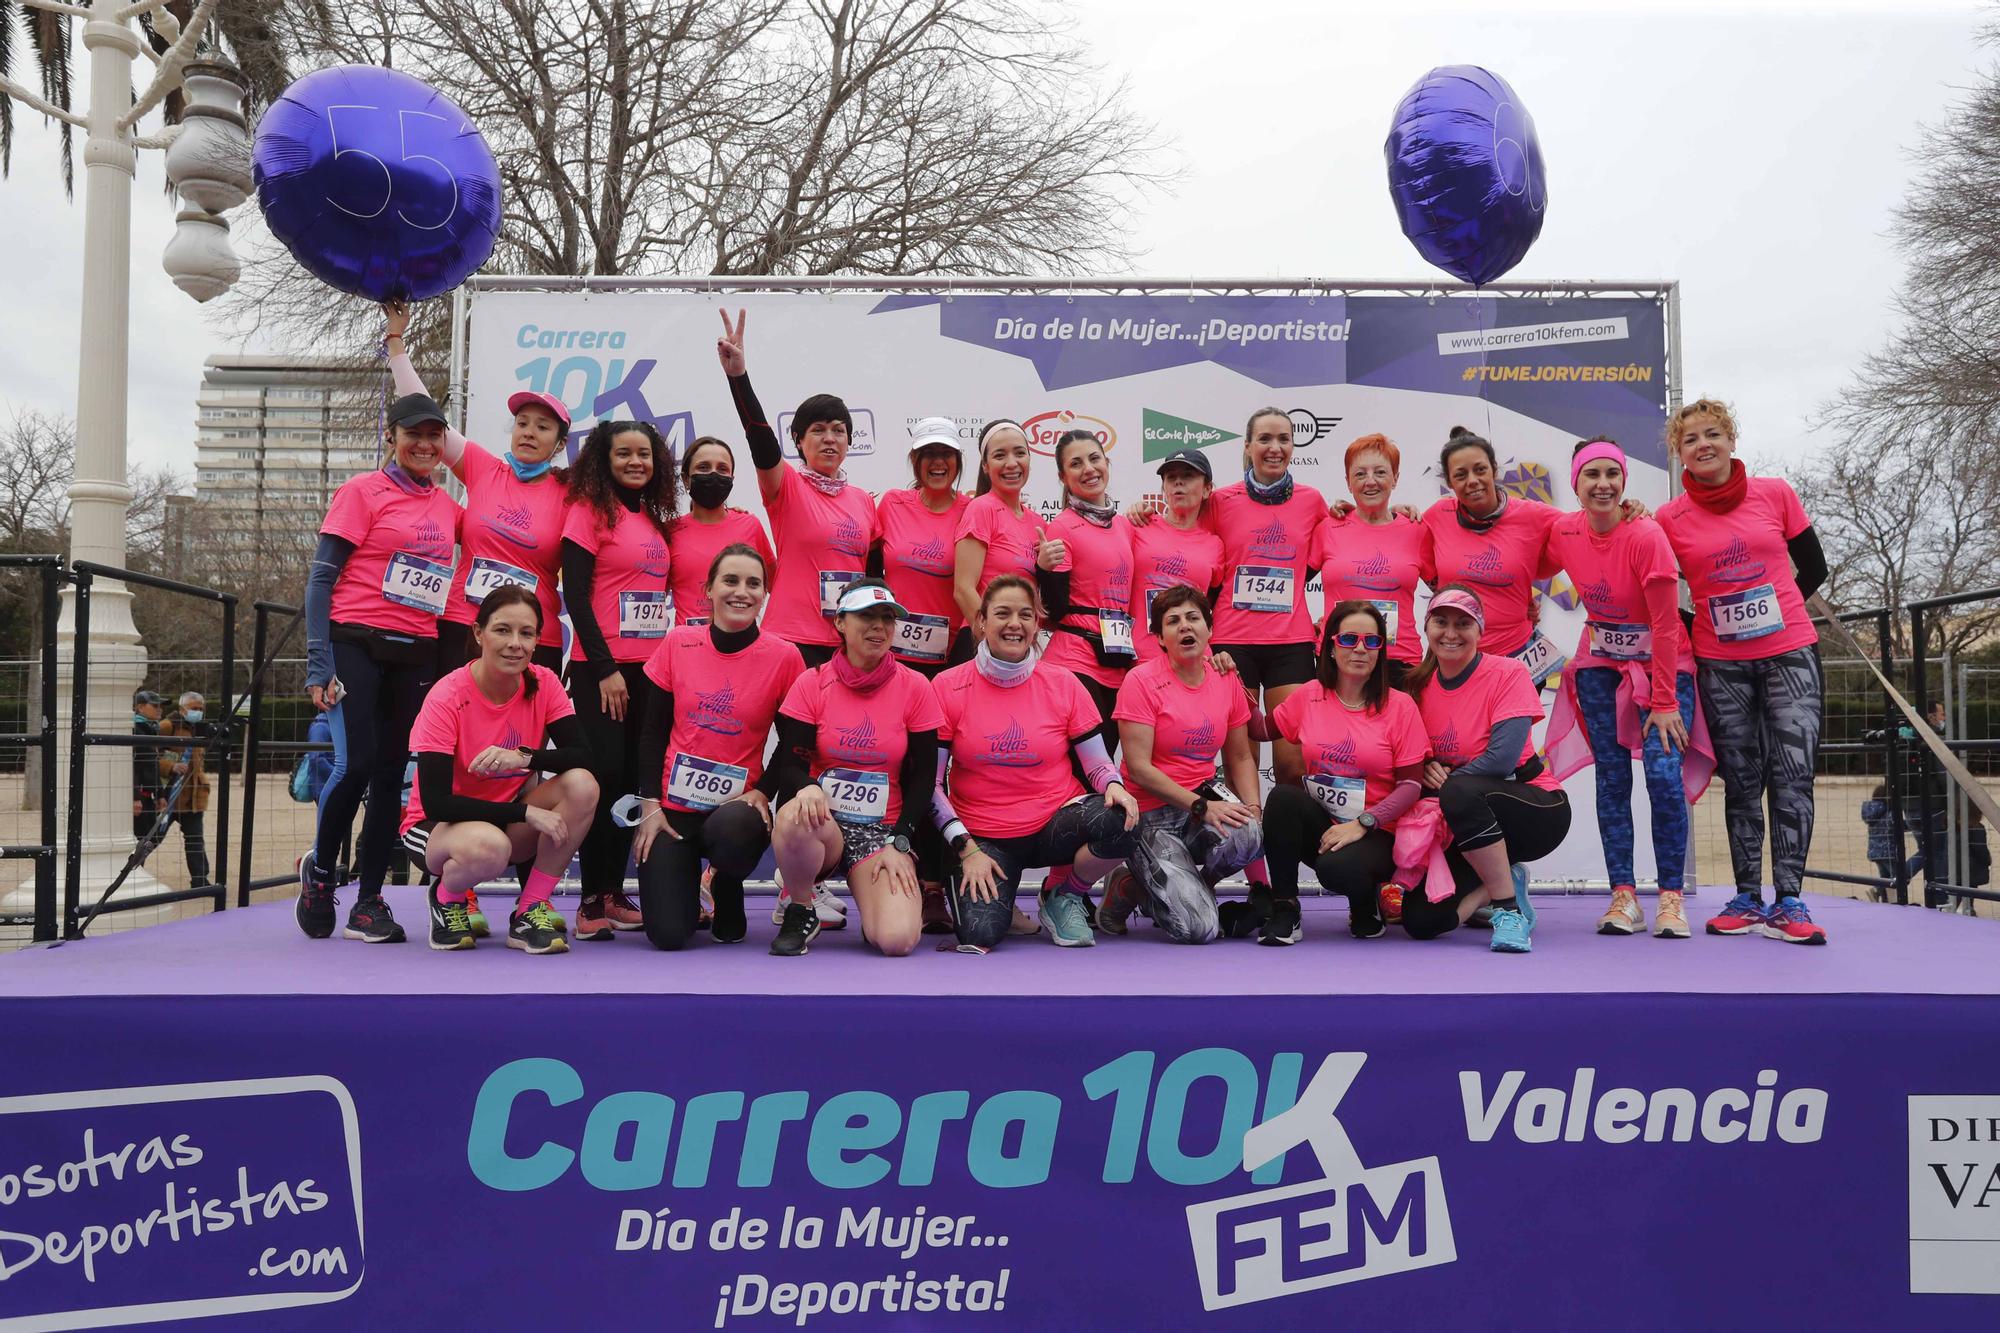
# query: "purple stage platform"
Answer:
x=219 y=1123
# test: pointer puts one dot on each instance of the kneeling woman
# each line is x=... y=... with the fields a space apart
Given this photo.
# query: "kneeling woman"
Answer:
x=702 y=784
x=1502 y=805
x=857 y=742
x=1011 y=723
x=478 y=739
x=1175 y=715
x=1364 y=748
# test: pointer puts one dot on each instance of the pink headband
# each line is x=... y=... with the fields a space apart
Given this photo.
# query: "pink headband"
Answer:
x=1592 y=452
x=1458 y=599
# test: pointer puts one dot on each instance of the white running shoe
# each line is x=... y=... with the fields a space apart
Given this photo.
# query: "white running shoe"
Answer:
x=832 y=912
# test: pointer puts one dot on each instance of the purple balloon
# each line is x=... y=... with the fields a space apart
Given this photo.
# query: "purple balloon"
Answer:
x=377 y=183
x=1465 y=172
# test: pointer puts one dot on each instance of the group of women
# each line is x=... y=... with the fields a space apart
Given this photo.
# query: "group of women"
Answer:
x=962 y=691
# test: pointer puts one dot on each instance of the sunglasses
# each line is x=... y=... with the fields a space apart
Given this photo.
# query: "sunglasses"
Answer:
x=1368 y=641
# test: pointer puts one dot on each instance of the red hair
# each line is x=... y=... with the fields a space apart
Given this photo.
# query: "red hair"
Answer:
x=1380 y=444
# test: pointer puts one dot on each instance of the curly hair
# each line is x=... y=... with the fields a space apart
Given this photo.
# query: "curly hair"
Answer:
x=591 y=482
x=1700 y=407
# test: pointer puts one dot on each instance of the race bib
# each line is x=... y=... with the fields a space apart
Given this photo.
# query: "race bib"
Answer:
x=855 y=795
x=832 y=583
x=487 y=575
x=1262 y=588
x=1389 y=612
x=1750 y=614
x=703 y=784
x=1542 y=658
x=1343 y=798
x=923 y=638
x=1115 y=627
x=413 y=581
x=642 y=614
x=1625 y=643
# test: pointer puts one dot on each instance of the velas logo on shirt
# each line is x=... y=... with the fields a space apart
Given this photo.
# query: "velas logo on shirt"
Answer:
x=653 y=558
x=511 y=523
x=1172 y=568
x=510 y=737
x=1118 y=582
x=1446 y=742
x=929 y=557
x=1045 y=428
x=430 y=541
x=857 y=744
x=715 y=710
x=1197 y=742
x=1272 y=542
x=1598 y=596
x=1340 y=756
x=1485 y=566
x=1374 y=573
x=847 y=537
x=1162 y=433
x=1008 y=747
x=1735 y=563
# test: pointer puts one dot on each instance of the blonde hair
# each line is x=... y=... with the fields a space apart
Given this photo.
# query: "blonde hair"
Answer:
x=1700 y=407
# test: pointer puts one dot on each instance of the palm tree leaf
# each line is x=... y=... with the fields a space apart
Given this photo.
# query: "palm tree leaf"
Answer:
x=7 y=17
x=48 y=34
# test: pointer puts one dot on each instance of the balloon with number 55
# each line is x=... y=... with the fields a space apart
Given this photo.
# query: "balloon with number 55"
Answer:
x=377 y=183
x=1465 y=172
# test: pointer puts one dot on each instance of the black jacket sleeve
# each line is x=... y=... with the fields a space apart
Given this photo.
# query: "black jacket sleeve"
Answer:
x=656 y=726
x=448 y=807
x=764 y=450
x=1809 y=560
x=791 y=766
x=579 y=570
x=1054 y=584
x=564 y=748
x=919 y=780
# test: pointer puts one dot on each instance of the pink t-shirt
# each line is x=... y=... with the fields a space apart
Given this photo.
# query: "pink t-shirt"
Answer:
x=694 y=546
x=511 y=533
x=1266 y=550
x=1100 y=577
x=863 y=734
x=1499 y=564
x=822 y=543
x=1010 y=768
x=919 y=549
x=724 y=704
x=1611 y=574
x=1162 y=556
x=628 y=589
x=1340 y=742
x=399 y=578
x=458 y=720
x=1460 y=721
x=1189 y=724
x=1746 y=598
x=1010 y=539
x=1380 y=563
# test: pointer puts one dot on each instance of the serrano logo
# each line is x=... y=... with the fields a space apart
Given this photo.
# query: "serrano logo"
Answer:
x=1045 y=428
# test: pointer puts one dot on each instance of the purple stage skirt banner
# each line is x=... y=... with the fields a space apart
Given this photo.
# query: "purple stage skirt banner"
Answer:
x=1223 y=1163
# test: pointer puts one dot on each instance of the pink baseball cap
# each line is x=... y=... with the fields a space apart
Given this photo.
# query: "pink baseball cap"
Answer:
x=548 y=402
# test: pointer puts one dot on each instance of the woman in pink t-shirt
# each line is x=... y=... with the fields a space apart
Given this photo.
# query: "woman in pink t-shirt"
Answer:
x=703 y=790
x=1174 y=546
x=694 y=539
x=1012 y=725
x=1752 y=559
x=616 y=568
x=915 y=546
x=999 y=532
x=1376 y=554
x=1089 y=601
x=1364 y=748
x=1629 y=685
x=1502 y=805
x=857 y=743
x=1177 y=715
x=1484 y=539
x=821 y=524
x=514 y=507
x=485 y=731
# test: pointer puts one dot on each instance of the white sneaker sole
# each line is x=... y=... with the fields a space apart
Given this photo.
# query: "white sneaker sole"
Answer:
x=559 y=945
x=1671 y=932
x=1621 y=926
x=1085 y=942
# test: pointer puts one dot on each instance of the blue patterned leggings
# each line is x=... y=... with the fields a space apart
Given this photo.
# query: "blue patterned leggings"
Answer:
x=1597 y=698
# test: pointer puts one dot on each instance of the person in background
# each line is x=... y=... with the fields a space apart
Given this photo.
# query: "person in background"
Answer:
x=1882 y=841
x=694 y=539
x=147 y=796
x=188 y=766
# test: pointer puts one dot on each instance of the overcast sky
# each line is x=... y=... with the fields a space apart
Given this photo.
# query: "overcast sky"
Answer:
x=1754 y=151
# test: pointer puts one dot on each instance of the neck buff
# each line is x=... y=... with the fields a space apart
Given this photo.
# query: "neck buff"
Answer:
x=409 y=483
x=824 y=484
x=1004 y=674
x=529 y=471
x=1276 y=493
x=1101 y=515
x=732 y=640
x=1719 y=499
x=863 y=682
x=1487 y=524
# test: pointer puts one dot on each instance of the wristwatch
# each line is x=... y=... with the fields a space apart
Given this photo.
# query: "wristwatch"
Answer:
x=901 y=844
x=1199 y=809
x=1366 y=820
x=959 y=844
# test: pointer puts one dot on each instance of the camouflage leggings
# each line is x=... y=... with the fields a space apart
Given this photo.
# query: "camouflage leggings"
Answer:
x=1764 y=716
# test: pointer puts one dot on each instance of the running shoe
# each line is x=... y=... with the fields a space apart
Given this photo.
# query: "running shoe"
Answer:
x=593 y=918
x=728 y=924
x=1511 y=929
x=481 y=928
x=451 y=925
x=370 y=922
x=799 y=926
x=1670 y=918
x=1390 y=897
x=1745 y=914
x=622 y=912
x=537 y=930
x=1624 y=916
x=1789 y=921
x=1067 y=921
x=316 y=908
x=832 y=912
x=1282 y=925
x=937 y=915
x=706 y=915
x=1121 y=895
x=1522 y=903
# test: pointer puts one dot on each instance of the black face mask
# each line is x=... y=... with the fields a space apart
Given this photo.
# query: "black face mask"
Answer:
x=710 y=489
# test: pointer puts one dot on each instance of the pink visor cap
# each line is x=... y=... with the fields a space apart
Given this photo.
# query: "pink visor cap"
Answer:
x=1458 y=599
x=548 y=402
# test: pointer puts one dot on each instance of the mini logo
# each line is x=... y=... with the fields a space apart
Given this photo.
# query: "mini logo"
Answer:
x=1306 y=427
x=857 y=744
x=715 y=711
x=1161 y=433
x=1954 y=1162
x=1008 y=747
x=860 y=440
x=1045 y=428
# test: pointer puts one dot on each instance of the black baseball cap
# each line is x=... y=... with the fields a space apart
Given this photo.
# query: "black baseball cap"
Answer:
x=1193 y=458
x=413 y=409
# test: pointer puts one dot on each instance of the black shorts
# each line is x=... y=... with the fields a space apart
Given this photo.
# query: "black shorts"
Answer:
x=417 y=842
x=1263 y=666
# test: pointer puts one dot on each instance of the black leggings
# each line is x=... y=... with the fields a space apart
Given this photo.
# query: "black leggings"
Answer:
x=731 y=837
x=1086 y=822
x=371 y=746
x=1293 y=825
x=614 y=749
x=1481 y=811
